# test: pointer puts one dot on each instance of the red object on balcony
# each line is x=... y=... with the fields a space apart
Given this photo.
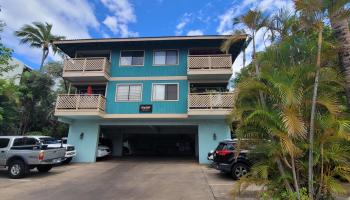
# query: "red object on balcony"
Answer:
x=89 y=90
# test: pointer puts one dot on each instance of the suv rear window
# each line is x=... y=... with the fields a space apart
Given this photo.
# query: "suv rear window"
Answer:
x=4 y=142
x=226 y=146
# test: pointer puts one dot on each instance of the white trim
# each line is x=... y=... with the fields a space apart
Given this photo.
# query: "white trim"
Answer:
x=149 y=116
x=160 y=78
x=120 y=56
x=178 y=57
x=128 y=84
x=178 y=92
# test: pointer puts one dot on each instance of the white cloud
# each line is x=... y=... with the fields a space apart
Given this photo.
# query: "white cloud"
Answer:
x=195 y=32
x=111 y=23
x=185 y=19
x=124 y=14
x=72 y=19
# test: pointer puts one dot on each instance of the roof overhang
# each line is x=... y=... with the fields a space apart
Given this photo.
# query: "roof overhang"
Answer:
x=70 y=46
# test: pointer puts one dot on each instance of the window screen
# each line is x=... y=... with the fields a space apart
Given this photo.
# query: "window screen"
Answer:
x=165 y=92
x=166 y=57
x=4 y=142
x=130 y=92
x=131 y=57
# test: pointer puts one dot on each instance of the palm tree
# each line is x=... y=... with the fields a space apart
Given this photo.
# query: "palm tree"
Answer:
x=237 y=36
x=339 y=15
x=312 y=15
x=285 y=118
x=38 y=35
x=252 y=21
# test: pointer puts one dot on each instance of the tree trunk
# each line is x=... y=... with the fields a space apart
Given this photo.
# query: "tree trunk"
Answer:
x=296 y=184
x=312 y=118
x=243 y=58
x=342 y=34
x=283 y=174
x=43 y=58
x=257 y=71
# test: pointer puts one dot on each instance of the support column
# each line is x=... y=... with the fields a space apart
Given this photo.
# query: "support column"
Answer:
x=117 y=140
x=84 y=135
x=210 y=133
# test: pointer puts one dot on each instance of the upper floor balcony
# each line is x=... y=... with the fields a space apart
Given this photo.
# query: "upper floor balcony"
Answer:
x=210 y=103
x=90 y=69
x=80 y=105
x=208 y=67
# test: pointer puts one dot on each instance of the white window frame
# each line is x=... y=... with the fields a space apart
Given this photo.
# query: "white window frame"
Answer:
x=178 y=57
x=178 y=91
x=120 y=58
x=127 y=84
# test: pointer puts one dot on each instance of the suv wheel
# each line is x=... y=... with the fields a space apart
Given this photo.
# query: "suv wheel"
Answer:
x=67 y=160
x=239 y=170
x=44 y=168
x=17 y=169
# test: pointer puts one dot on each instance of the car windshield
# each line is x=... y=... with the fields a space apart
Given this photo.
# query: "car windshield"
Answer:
x=48 y=140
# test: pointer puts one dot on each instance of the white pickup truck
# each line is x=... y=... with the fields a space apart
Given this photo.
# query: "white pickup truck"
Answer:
x=20 y=154
x=53 y=143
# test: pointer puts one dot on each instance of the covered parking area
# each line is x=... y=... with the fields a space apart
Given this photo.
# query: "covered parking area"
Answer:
x=151 y=140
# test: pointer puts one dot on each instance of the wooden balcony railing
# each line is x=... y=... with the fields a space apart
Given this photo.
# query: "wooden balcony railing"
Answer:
x=210 y=101
x=95 y=64
x=200 y=62
x=80 y=102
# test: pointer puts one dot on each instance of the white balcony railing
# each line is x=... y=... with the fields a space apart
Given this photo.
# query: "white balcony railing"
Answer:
x=95 y=64
x=200 y=62
x=210 y=101
x=80 y=102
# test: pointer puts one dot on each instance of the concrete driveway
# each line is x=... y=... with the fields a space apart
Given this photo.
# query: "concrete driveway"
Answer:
x=121 y=179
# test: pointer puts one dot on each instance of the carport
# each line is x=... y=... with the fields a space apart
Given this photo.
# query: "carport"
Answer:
x=151 y=140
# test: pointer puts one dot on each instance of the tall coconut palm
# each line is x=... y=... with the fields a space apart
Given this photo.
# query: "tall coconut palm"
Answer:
x=38 y=35
x=339 y=16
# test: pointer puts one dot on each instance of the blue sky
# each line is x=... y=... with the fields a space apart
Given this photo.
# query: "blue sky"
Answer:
x=125 y=18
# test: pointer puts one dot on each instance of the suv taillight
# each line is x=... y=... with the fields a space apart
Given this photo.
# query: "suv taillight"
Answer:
x=41 y=156
x=222 y=152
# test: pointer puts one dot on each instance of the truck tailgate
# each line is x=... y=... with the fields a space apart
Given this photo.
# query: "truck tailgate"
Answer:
x=50 y=154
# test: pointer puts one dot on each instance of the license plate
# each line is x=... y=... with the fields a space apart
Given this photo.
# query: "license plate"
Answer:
x=56 y=160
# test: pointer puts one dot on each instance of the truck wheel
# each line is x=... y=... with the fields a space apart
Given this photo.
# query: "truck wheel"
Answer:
x=44 y=168
x=67 y=160
x=17 y=169
x=238 y=170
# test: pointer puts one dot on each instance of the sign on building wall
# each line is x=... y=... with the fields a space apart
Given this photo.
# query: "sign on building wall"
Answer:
x=147 y=108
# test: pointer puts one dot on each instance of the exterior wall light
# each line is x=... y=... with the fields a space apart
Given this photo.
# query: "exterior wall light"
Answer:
x=214 y=136
x=81 y=135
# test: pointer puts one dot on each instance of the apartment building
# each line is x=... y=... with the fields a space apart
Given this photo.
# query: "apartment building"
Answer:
x=147 y=96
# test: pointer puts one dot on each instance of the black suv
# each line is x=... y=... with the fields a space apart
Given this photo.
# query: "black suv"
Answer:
x=225 y=160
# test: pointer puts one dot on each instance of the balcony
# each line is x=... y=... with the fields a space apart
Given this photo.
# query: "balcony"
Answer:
x=214 y=104
x=80 y=105
x=206 y=67
x=86 y=69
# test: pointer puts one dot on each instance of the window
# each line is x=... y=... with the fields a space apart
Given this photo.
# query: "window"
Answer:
x=130 y=58
x=129 y=92
x=165 y=92
x=166 y=57
x=4 y=142
x=24 y=141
